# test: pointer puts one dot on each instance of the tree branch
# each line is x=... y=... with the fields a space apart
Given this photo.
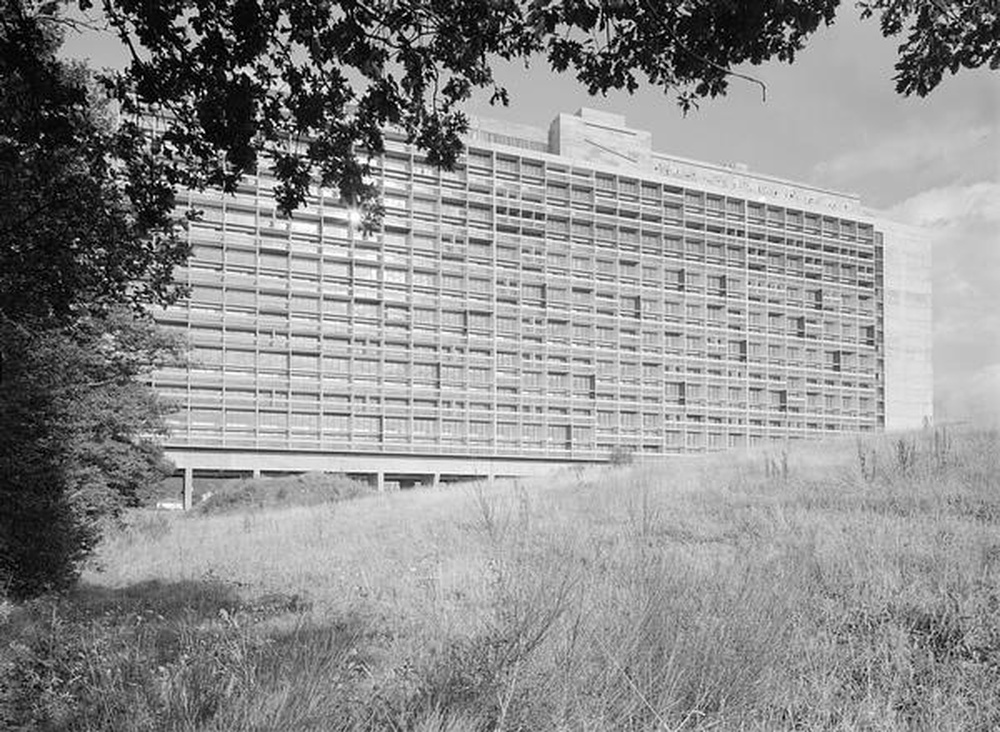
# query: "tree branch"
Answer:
x=651 y=9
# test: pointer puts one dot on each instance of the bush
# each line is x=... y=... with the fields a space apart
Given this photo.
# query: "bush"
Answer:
x=308 y=489
x=621 y=456
x=76 y=422
x=189 y=655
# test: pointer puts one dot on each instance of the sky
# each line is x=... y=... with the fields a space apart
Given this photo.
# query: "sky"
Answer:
x=833 y=119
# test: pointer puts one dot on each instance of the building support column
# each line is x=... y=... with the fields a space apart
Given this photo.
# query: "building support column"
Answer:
x=188 y=499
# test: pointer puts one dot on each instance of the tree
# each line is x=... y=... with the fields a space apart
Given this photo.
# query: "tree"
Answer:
x=87 y=244
x=88 y=219
x=310 y=87
x=78 y=426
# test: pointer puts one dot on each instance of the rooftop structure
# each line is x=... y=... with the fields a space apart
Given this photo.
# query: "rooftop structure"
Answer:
x=561 y=296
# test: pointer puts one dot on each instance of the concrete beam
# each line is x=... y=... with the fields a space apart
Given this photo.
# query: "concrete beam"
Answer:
x=365 y=464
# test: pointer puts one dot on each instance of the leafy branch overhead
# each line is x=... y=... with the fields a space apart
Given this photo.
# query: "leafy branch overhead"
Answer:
x=88 y=216
x=941 y=36
x=312 y=85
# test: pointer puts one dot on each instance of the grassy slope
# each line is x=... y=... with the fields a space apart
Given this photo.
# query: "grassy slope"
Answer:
x=733 y=592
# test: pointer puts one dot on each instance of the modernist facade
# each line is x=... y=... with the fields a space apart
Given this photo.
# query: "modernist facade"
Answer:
x=560 y=296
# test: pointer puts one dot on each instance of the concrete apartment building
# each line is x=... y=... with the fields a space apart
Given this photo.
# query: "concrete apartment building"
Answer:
x=563 y=295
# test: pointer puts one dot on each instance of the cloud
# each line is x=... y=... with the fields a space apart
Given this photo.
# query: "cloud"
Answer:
x=951 y=206
x=963 y=222
x=917 y=148
x=969 y=397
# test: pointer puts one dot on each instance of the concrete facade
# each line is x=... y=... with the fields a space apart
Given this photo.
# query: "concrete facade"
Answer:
x=562 y=295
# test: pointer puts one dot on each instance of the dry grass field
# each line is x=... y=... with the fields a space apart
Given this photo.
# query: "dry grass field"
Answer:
x=836 y=586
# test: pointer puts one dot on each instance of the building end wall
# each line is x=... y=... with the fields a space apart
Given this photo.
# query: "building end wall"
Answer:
x=909 y=372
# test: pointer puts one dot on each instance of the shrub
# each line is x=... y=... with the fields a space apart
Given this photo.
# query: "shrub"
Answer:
x=621 y=456
x=308 y=489
x=77 y=447
x=186 y=656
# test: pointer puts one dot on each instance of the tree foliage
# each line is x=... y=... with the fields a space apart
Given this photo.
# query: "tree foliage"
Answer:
x=941 y=36
x=88 y=219
x=87 y=244
x=310 y=87
x=79 y=428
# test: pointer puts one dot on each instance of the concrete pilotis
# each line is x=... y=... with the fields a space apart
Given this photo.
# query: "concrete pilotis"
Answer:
x=188 y=488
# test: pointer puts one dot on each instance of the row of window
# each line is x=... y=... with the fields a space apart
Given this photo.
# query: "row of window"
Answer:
x=337 y=260
x=352 y=426
x=525 y=252
x=511 y=439
x=206 y=388
x=250 y=333
x=719 y=248
x=582 y=185
x=737 y=350
x=540 y=300
x=508 y=285
x=674 y=394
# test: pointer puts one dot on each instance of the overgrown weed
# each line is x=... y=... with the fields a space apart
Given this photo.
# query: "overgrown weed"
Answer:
x=855 y=586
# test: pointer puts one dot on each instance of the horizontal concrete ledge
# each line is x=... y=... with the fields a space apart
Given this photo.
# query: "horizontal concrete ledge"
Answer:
x=293 y=462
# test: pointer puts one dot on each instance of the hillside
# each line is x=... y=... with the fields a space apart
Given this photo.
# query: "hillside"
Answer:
x=838 y=586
